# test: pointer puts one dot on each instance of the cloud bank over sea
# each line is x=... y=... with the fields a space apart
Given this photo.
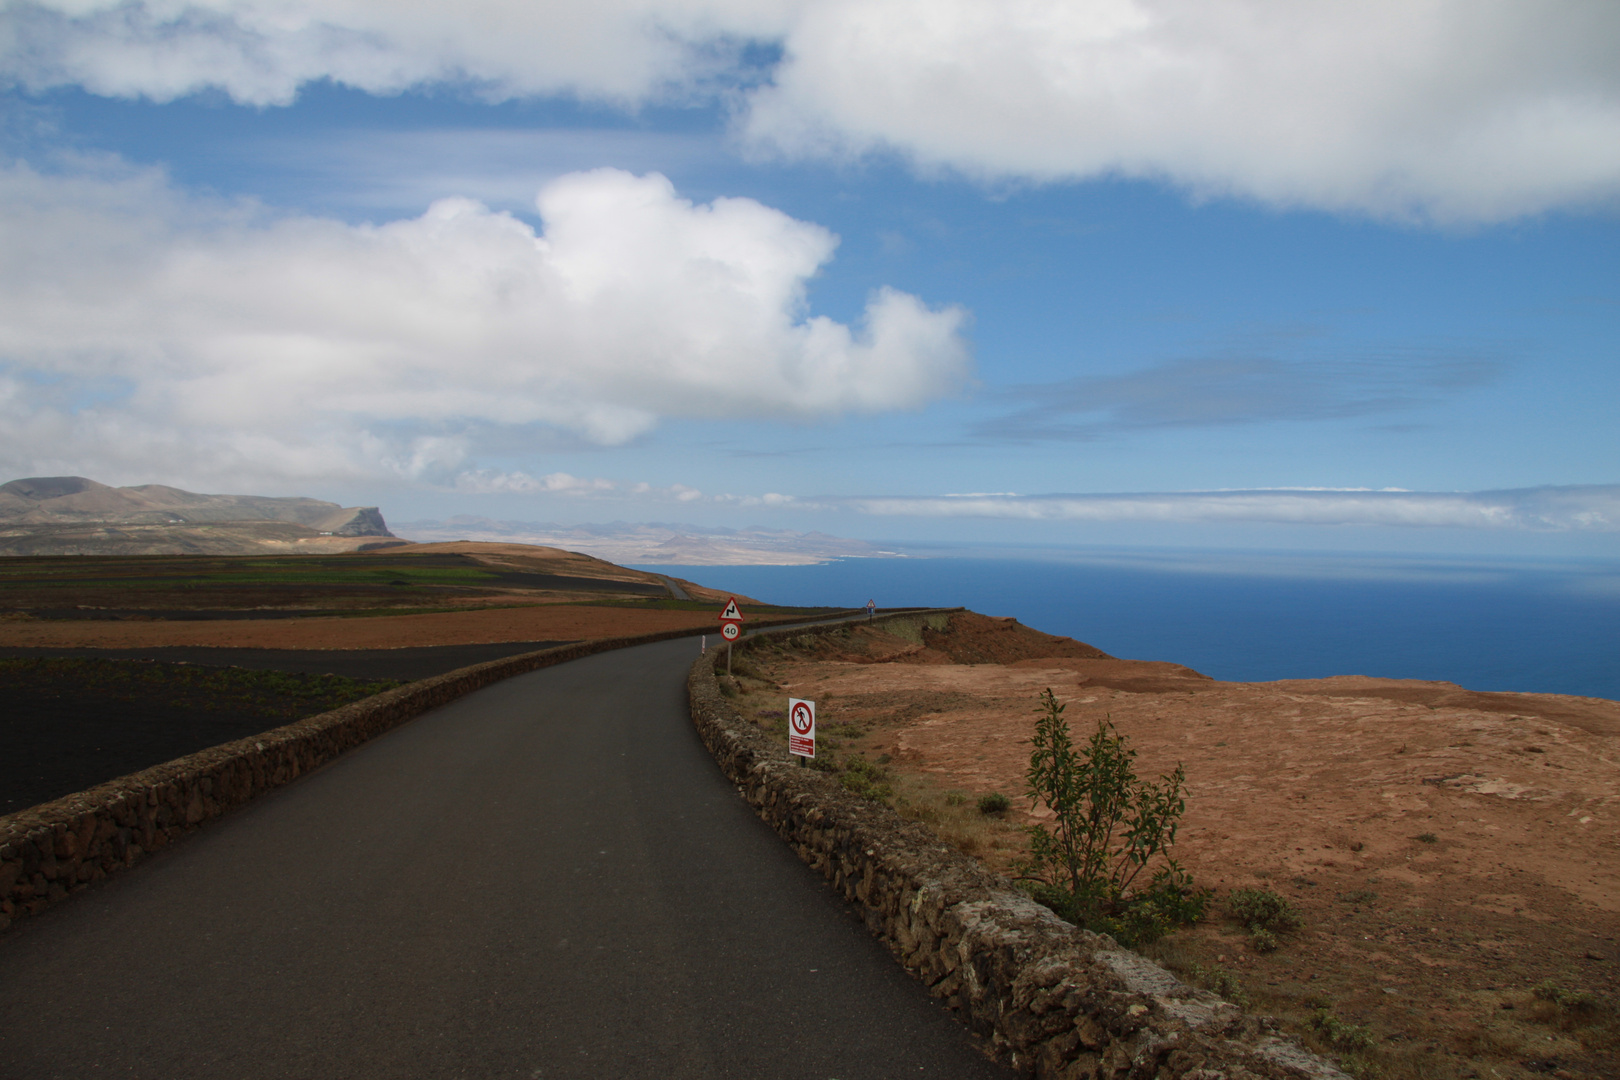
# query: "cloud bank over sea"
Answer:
x=1582 y=508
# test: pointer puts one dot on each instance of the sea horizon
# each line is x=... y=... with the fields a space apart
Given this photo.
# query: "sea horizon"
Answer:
x=1540 y=624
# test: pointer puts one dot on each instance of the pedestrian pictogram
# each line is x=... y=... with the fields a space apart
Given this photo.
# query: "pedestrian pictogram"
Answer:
x=801 y=727
x=731 y=613
x=730 y=631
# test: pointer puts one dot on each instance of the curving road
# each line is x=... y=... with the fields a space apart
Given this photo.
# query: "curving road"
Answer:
x=549 y=878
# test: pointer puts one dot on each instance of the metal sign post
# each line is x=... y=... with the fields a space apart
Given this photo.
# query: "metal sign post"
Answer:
x=730 y=627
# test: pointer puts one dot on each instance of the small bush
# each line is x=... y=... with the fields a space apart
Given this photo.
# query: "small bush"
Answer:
x=1426 y=838
x=1262 y=909
x=1358 y=896
x=1575 y=1002
x=866 y=779
x=1346 y=1038
x=1220 y=982
x=1108 y=827
x=994 y=803
x=1263 y=941
x=955 y=798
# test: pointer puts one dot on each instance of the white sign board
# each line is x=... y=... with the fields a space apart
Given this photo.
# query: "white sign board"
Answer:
x=730 y=631
x=801 y=727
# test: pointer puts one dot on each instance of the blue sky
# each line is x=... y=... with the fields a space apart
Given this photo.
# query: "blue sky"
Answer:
x=830 y=265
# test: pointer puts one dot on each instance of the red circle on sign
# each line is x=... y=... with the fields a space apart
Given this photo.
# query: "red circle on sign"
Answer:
x=802 y=719
x=730 y=631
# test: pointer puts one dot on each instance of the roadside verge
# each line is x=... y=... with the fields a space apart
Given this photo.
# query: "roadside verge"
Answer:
x=1051 y=999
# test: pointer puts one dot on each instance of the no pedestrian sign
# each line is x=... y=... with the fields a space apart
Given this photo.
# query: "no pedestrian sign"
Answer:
x=801 y=727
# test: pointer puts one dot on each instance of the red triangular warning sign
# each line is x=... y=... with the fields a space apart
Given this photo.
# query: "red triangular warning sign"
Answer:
x=731 y=613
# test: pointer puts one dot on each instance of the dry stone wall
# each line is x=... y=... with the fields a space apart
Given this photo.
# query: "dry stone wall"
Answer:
x=1051 y=999
x=54 y=849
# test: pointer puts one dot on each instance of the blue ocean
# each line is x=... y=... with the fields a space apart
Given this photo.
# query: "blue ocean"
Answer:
x=1545 y=625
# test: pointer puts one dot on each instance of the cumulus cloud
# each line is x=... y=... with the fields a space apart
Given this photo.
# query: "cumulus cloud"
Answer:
x=1451 y=110
x=141 y=324
x=1588 y=508
x=1236 y=390
x=1443 y=109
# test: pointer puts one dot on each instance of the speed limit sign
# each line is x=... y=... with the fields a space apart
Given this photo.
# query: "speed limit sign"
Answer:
x=730 y=631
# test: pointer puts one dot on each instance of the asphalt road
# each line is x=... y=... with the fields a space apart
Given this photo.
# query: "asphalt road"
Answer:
x=549 y=878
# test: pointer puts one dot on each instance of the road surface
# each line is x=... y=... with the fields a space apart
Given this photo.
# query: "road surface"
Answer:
x=549 y=878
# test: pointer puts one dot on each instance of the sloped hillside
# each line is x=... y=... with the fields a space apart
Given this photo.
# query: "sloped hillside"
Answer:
x=73 y=515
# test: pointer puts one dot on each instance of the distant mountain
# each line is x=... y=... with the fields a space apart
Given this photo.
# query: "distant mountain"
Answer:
x=72 y=515
x=655 y=543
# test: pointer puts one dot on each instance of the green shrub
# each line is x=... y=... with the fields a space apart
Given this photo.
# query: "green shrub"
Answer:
x=1570 y=1001
x=1262 y=909
x=1108 y=827
x=1426 y=838
x=994 y=803
x=1347 y=1038
x=1221 y=982
x=866 y=779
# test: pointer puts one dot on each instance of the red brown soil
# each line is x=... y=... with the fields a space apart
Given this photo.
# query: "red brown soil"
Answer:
x=1318 y=790
x=535 y=614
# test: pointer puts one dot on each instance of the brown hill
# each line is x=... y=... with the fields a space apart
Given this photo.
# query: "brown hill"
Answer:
x=73 y=515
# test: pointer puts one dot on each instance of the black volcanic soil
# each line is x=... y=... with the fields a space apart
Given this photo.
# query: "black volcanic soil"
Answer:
x=96 y=714
x=71 y=723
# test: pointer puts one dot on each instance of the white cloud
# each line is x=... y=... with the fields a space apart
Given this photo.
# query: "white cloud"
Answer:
x=261 y=51
x=1450 y=109
x=142 y=327
x=1455 y=110
x=1591 y=508
x=488 y=482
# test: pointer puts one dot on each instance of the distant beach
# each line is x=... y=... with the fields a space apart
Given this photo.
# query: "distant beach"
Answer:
x=1539 y=625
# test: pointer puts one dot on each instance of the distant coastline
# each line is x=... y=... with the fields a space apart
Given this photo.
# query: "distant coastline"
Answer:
x=655 y=542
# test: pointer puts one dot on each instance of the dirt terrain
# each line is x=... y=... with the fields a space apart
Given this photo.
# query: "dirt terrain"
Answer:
x=1451 y=852
x=457 y=593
